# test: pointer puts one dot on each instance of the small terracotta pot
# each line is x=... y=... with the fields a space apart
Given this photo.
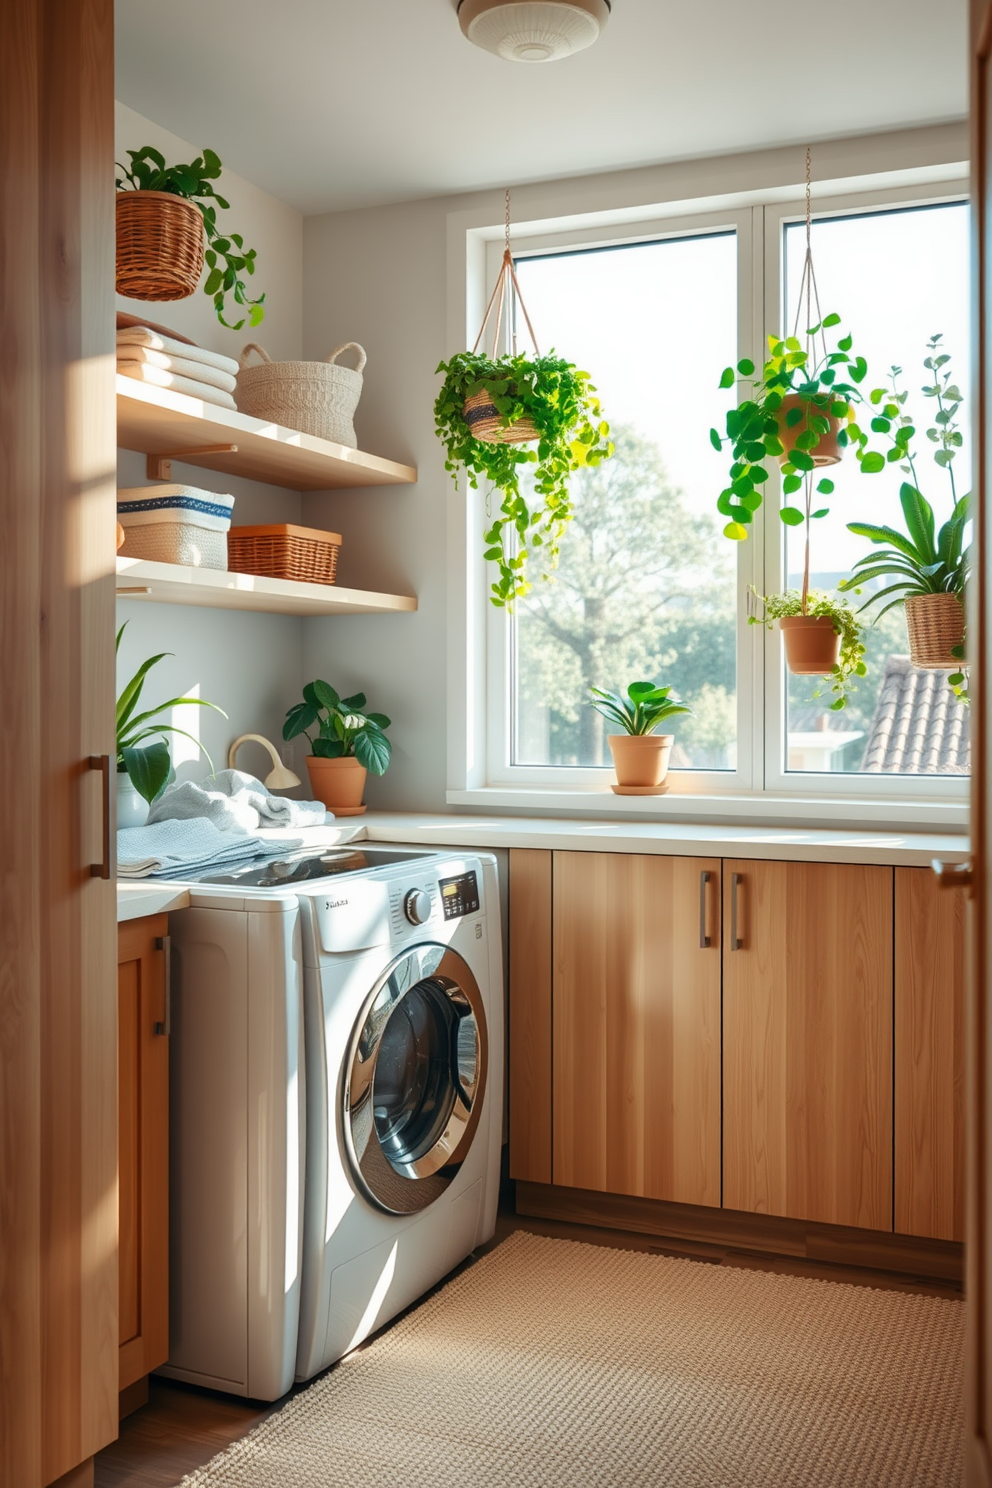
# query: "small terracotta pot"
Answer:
x=827 y=452
x=640 y=759
x=339 y=783
x=812 y=645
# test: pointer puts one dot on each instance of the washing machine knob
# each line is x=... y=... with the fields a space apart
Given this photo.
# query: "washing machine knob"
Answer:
x=417 y=906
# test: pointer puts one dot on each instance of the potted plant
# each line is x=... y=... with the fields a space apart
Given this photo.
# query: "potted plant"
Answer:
x=348 y=743
x=822 y=635
x=143 y=770
x=488 y=410
x=160 y=235
x=927 y=568
x=640 y=756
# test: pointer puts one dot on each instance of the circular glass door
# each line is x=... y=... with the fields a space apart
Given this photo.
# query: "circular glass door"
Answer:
x=415 y=1078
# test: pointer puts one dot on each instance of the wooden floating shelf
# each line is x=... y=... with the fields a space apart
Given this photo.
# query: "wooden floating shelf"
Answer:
x=156 y=421
x=172 y=583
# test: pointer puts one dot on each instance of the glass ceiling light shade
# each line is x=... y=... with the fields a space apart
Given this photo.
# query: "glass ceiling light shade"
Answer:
x=533 y=30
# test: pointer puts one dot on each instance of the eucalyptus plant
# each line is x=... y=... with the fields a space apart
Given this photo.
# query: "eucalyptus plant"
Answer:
x=815 y=605
x=226 y=256
x=641 y=711
x=149 y=766
x=560 y=401
x=343 y=727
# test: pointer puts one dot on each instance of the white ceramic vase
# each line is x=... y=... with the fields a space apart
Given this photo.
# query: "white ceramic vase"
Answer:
x=132 y=808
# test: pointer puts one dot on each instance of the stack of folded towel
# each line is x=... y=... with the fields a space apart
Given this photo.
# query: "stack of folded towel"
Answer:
x=149 y=356
x=177 y=847
x=234 y=801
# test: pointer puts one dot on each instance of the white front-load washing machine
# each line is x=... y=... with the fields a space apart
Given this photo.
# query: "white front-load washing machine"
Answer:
x=403 y=1012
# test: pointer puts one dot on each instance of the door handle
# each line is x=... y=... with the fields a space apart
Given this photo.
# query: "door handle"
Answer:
x=952 y=875
x=704 y=940
x=101 y=762
x=164 y=943
x=736 y=940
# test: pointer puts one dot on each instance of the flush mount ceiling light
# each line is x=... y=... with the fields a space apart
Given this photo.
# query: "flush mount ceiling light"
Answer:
x=533 y=30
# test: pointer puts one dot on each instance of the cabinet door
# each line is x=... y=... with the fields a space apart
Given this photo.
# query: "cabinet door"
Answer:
x=929 y=1050
x=143 y=1101
x=530 y=1014
x=808 y=1041
x=636 y=1038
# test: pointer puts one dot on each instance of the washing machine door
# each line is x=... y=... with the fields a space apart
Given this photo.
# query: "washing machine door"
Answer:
x=415 y=1077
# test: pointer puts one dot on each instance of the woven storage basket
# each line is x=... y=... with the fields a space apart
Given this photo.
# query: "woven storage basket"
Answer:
x=159 y=246
x=285 y=552
x=935 y=623
x=486 y=423
x=317 y=398
x=175 y=524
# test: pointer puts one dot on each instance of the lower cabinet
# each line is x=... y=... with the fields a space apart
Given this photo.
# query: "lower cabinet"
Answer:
x=143 y=1097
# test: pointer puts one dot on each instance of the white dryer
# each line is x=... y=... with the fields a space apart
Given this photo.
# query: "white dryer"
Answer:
x=403 y=1009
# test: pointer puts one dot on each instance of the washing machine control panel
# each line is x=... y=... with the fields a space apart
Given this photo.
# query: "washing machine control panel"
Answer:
x=417 y=906
x=459 y=896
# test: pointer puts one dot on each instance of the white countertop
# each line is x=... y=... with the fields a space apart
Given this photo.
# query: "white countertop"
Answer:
x=818 y=845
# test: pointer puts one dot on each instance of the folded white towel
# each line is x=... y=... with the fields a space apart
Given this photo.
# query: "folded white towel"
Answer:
x=143 y=336
x=235 y=801
x=182 y=366
x=158 y=377
x=184 y=846
x=144 y=506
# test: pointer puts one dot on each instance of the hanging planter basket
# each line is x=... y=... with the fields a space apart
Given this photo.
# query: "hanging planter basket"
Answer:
x=480 y=412
x=812 y=644
x=486 y=422
x=159 y=246
x=935 y=623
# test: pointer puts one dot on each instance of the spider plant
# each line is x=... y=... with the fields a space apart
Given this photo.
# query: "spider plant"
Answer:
x=148 y=766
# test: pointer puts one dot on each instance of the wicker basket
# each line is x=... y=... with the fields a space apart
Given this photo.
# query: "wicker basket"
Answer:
x=486 y=423
x=317 y=398
x=285 y=552
x=935 y=623
x=159 y=246
x=175 y=524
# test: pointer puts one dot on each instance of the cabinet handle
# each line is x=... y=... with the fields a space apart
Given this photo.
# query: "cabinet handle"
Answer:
x=952 y=875
x=736 y=941
x=101 y=762
x=704 y=939
x=164 y=943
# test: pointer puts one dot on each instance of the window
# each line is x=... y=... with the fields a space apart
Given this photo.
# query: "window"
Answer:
x=647 y=587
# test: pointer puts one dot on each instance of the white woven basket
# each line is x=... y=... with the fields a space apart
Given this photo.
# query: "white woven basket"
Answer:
x=175 y=524
x=176 y=542
x=317 y=398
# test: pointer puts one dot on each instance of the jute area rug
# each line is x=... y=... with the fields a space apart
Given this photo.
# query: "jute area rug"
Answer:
x=553 y=1363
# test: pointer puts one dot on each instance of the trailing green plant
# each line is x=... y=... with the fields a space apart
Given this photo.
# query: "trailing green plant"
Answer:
x=827 y=384
x=149 y=766
x=343 y=728
x=560 y=401
x=814 y=605
x=226 y=256
x=641 y=711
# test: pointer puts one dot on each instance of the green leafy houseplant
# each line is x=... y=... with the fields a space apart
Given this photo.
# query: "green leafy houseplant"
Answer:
x=815 y=605
x=226 y=256
x=641 y=711
x=560 y=402
x=343 y=729
x=920 y=560
x=148 y=766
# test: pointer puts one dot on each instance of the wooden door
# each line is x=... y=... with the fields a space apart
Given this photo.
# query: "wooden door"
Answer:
x=636 y=1008
x=929 y=1057
x=978 y=1363
x=143 y=1104
x=807 y=1000
x=58 y=1005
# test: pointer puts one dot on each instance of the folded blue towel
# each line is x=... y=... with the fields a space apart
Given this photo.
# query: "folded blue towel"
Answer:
x=177 y=846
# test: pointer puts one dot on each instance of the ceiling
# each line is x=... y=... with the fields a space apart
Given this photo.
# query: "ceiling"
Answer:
x=330 y=104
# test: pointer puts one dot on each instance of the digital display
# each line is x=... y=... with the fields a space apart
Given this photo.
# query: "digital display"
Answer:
x=459 y=896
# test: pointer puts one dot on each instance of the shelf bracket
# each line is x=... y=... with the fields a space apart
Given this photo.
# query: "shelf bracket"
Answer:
x=159 y=467
x=137 y=589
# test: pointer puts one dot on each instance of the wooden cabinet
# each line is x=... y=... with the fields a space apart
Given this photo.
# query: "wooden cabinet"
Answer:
x=636 y=1025
x=929 y=1056
x=143 y=1103
x=530 y=1015
x=808 y=1042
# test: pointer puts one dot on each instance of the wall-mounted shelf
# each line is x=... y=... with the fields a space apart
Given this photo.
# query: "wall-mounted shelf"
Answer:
x=155 y=421
x=171 y=583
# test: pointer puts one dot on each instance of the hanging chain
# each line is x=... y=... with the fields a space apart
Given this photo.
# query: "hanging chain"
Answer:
x=506 y=289
x=508 y=219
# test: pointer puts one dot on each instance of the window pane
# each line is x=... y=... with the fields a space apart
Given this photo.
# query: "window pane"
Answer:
x=646 y=587
x=897 y=278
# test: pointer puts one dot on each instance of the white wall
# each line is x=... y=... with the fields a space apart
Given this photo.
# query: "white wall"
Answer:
x=394 y=278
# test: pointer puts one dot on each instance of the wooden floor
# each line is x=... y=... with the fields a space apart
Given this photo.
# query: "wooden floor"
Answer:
x=182 y=1427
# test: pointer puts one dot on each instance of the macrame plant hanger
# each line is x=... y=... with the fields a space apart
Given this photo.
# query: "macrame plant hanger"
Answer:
x=809 y=296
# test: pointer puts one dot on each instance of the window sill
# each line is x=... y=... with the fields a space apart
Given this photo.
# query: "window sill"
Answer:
x=846 y=813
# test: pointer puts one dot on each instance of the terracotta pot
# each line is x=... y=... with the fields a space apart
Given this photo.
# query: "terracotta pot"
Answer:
x=339 y=783
x=812 y=645
x=640 y=759
x=827 y=452
x=935 y=623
